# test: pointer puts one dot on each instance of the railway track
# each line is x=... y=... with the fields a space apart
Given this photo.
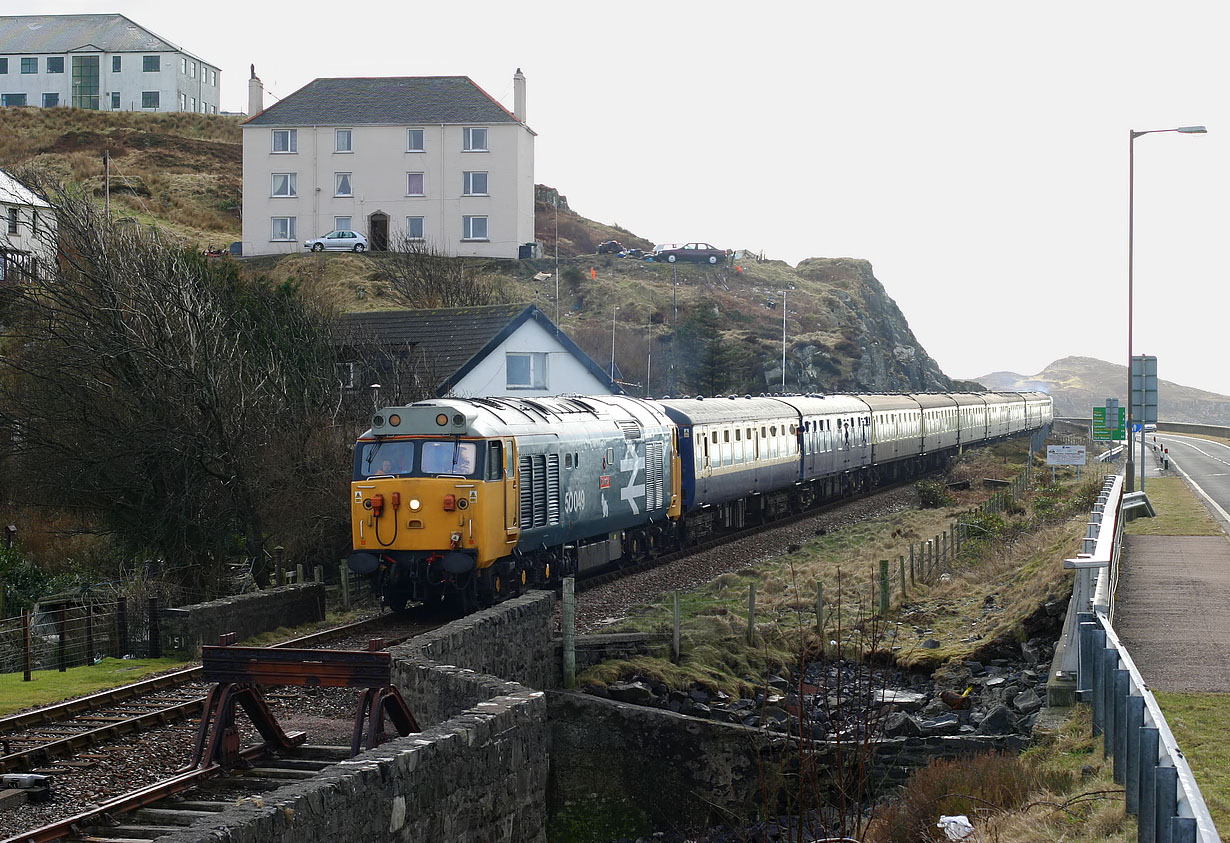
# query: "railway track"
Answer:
x=52 y=732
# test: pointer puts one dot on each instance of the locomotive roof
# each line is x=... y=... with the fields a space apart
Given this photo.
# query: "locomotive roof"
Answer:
x=504 y=416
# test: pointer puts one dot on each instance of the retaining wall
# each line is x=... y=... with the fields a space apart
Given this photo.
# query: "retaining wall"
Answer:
x=185 y=629
x=478 y=771
x=629 y=769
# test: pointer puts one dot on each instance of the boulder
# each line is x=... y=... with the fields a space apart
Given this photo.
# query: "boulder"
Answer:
x=1027 y=702
x=901 y=725
x=902 y=700
x=998 y=721
x=637 y=693
x=945 y=724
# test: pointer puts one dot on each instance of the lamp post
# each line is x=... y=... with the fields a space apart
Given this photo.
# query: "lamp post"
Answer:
x=1132 y=136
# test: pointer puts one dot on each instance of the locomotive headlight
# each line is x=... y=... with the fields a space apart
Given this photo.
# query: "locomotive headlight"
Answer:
x=415 y=504
x=442 y=419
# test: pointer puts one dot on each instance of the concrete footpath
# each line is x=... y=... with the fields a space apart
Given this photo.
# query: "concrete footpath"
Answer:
x=1173 y=606
x=1173 y=610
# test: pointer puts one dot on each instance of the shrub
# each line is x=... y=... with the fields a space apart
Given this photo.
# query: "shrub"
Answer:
x=969 y=786
x=932 y=494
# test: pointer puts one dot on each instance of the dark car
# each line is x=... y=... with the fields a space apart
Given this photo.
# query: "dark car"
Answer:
x=700 y=252
x=610 y=247
x=637 y=254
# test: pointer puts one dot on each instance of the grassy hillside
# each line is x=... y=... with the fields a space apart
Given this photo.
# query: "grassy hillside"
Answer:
x=183 y=174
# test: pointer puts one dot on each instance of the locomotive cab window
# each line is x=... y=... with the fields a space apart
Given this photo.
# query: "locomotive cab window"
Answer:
x=495 y=460
x=450 y=458
x=386 y=459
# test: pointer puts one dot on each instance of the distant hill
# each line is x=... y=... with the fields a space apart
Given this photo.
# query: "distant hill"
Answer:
x=182 y=173
x=1079 y=383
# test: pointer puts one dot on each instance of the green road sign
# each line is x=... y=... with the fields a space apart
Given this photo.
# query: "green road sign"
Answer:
x=1102 y=431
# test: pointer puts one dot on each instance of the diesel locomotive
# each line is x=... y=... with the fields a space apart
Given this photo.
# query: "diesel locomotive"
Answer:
x=471 y=500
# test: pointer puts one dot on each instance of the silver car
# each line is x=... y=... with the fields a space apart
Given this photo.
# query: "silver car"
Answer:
x=341 y=241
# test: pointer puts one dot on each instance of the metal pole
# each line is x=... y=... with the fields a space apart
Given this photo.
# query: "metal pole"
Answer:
x=557 y=259
x=674 y=384
x=648 y=357
x=614 y=310
x=675 y=636
x=61 y=628
x=569 y=629
x=783 y=342
x=25 y=645
x=1131 y=480
x=1142 y=434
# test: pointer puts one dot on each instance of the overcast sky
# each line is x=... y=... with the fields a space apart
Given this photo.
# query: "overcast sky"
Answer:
x=975 y=153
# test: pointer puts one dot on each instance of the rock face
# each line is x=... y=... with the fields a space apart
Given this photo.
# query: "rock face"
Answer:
x=874 y=344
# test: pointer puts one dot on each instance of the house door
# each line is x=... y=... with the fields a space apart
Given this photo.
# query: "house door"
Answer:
x=378 y=231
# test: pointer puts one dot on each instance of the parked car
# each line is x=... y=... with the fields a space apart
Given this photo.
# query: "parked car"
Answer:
x=1150 y=427
x=341 y=241
x=660 y=248
x=700 y=252
x=610 y=247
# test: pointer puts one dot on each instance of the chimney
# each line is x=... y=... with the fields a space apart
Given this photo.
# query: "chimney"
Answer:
x=519 y=96
x=256 y=95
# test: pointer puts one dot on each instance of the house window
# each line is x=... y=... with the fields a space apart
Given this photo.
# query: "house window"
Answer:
x=342 y=141
x=414 y=140
x=414 y=228
x=149 y=64
x=51 y=100
x=192 y=103
x=526 y=370
x=283 y=228
x=213 y=78
x=474 y=184
x=183 y=65
x=183 y=101
x=284 y=184
x=12 y=100
x=115 y=64
x=115 y=100
x=12 y=220
x=474 y=139
x=285 y=140
x=192 y=69
x=341 y=223
x=473 y=228
x=149 y=99
x=55 y=64
x=4 y=66
x=29 y=65
x=414 y=184
x=341 y=183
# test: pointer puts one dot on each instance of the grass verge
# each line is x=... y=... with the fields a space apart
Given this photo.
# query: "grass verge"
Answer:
x=1198 y=722
x=1179 y=512
x=50 y=686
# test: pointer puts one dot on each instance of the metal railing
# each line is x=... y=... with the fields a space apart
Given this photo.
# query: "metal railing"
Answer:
x=1160 y=789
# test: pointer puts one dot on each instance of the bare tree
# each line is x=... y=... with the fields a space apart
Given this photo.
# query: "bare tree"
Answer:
x=183 y=408
x=425 y=277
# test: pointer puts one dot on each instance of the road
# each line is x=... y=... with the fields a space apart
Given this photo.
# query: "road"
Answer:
x=1173 y=606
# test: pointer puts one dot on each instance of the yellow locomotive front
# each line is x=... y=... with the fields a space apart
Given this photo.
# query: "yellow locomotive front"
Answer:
x=429 y=511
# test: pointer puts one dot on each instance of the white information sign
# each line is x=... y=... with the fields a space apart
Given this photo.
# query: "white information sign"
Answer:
x=1065 y=454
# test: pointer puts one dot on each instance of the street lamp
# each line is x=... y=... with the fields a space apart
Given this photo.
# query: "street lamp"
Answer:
x=1132 y=136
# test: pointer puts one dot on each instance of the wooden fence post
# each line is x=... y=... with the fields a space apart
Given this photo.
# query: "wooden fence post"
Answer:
x=820 y=607
x=154 y=645
x=121 y=620
x=751 y=614
x=675 y=636
x=912 y=559
x=884 y=588
x=344 y=574
x=903 y=593
x=62 y=629
x=89 y=633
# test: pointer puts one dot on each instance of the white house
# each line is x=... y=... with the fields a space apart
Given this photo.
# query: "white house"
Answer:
x=471 y=352
x=431 y=158
x=99 y=62
x=28 y=232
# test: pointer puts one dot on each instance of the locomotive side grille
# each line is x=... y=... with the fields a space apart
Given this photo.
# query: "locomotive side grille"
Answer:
x=526 y=468
x=540 y=489
x=653 y=475
x=553 y=489
x=631 y=429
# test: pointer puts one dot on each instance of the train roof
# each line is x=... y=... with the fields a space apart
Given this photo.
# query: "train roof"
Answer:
x=723 y=410
x=487 y=417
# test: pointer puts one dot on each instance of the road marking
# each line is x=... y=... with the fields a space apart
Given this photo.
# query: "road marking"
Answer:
x=1224 y=515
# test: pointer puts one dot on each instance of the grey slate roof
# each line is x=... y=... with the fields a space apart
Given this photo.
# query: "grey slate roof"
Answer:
x=405 y=100
x=66 y=33
x=456 y=339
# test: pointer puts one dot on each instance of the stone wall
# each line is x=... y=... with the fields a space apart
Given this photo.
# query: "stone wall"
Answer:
x=478 y=771
x=185 y=629
x=629 y=769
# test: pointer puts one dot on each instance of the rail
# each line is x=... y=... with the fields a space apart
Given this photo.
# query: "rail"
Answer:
x=1160 y=789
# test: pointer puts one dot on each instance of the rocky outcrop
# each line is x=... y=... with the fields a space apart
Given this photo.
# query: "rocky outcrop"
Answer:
x=875 y=350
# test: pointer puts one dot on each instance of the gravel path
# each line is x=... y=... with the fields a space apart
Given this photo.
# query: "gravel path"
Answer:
x=608 y=603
